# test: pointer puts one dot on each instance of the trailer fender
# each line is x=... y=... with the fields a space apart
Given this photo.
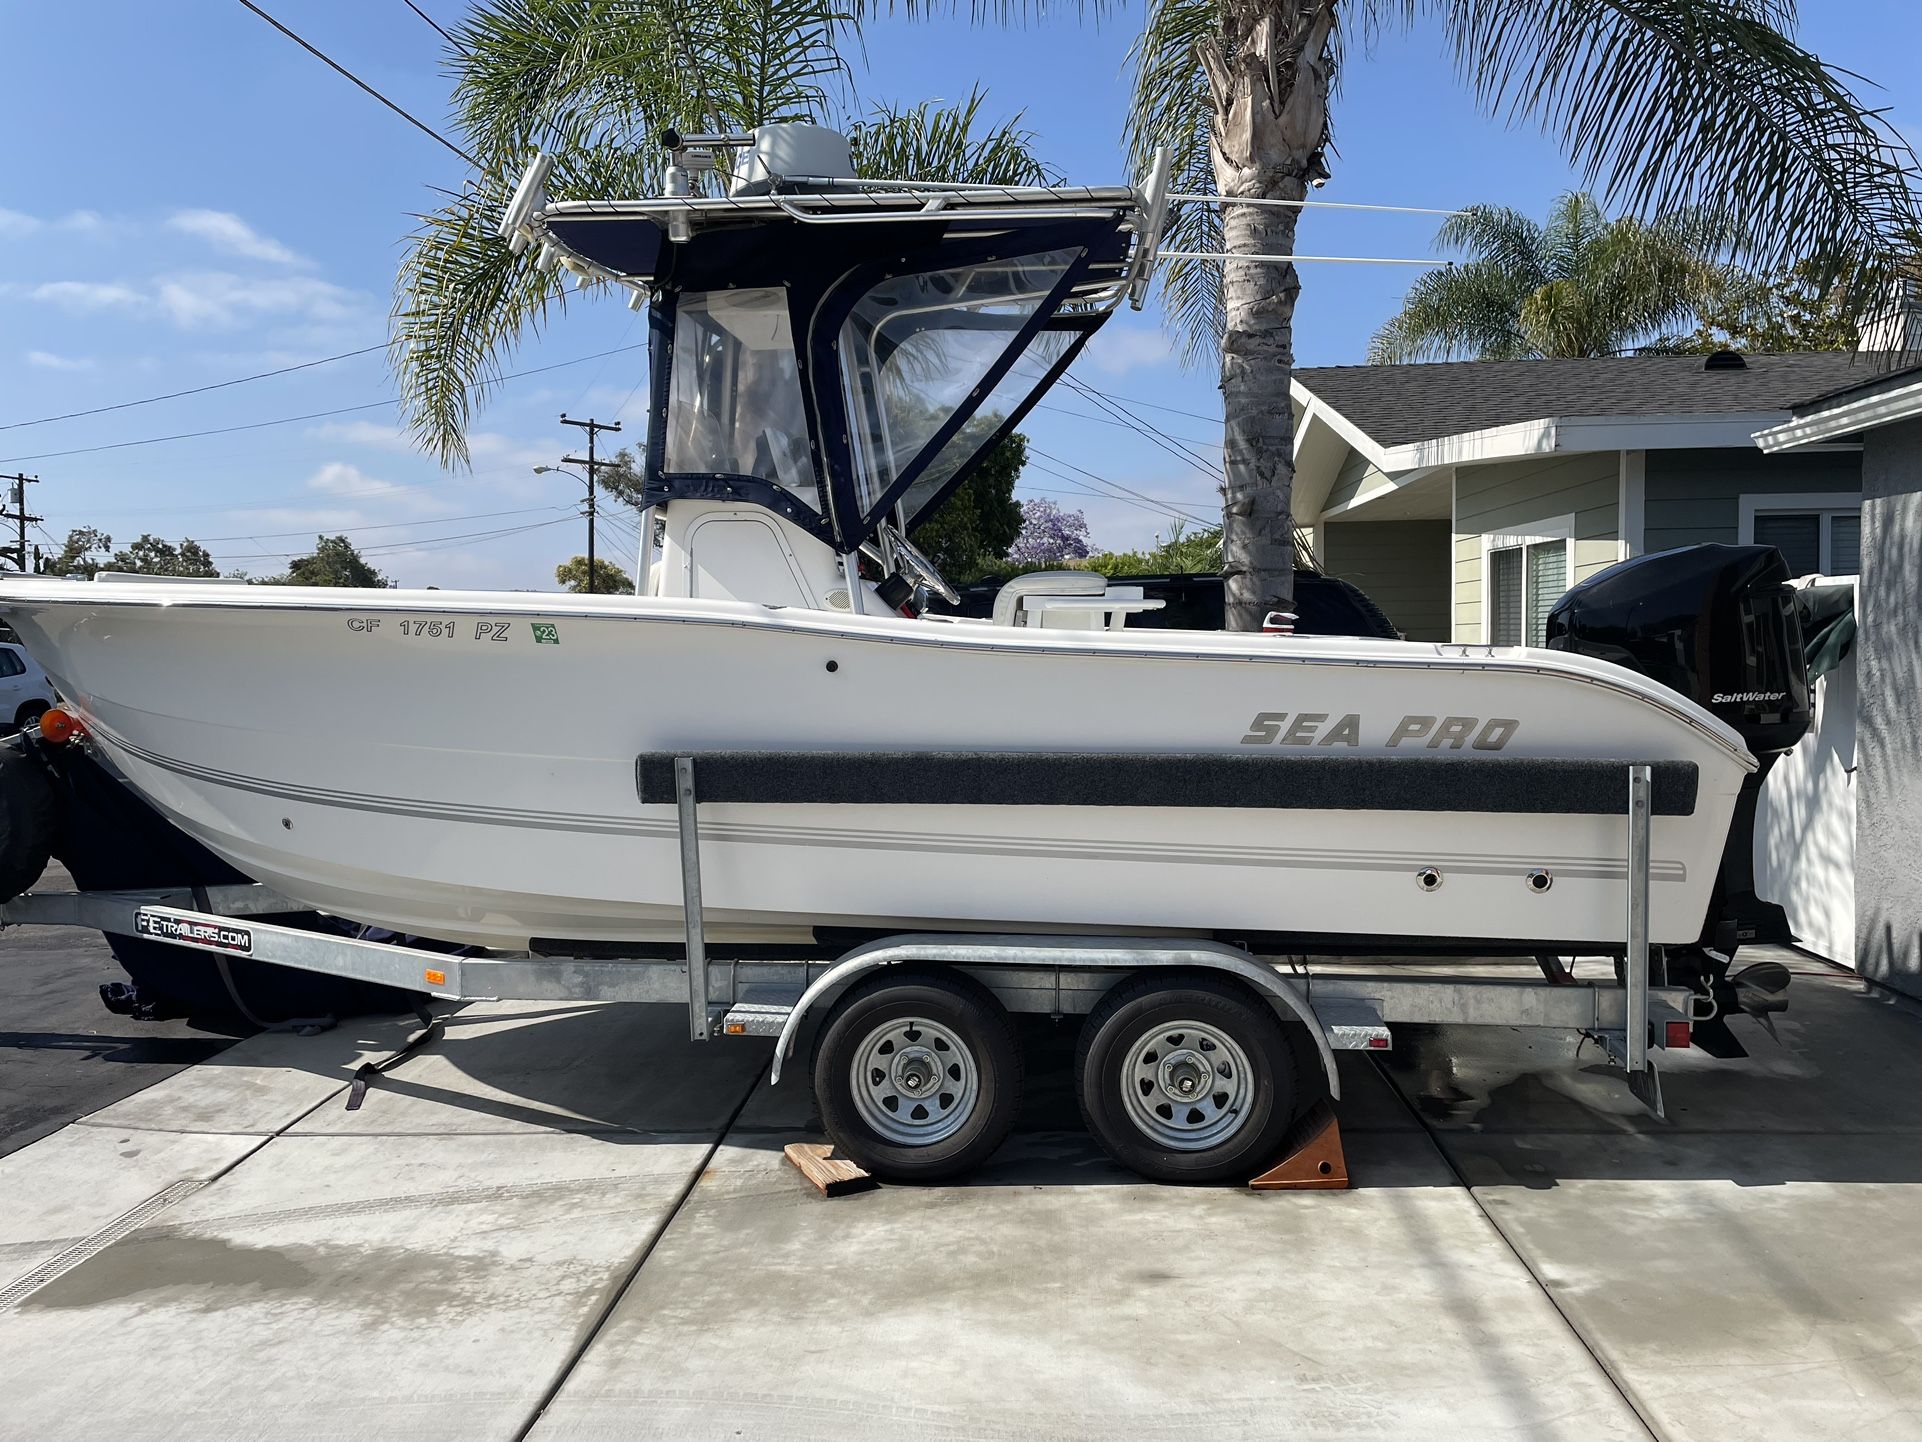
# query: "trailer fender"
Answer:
x=1120 y=954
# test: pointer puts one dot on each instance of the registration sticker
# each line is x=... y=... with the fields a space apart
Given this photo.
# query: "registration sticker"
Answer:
x=546 y=633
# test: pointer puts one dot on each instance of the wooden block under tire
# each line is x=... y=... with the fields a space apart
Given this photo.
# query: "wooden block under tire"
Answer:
x=833 y=1176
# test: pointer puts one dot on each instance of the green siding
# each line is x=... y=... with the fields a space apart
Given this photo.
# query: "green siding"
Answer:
x=1402 y=565
x=1356 y=475
x=1511 y=497
x=1695 y=496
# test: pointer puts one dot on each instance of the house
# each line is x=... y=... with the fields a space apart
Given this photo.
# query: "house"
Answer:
x=1465 y=497
x=1883 y=415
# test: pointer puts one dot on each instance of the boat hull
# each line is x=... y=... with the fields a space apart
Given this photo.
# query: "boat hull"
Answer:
x=465 y=767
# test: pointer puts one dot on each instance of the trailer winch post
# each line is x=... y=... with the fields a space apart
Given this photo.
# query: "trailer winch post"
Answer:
x=690 y=833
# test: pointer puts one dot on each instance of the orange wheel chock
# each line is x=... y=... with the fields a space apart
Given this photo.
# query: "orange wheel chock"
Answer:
x=1311 y=1160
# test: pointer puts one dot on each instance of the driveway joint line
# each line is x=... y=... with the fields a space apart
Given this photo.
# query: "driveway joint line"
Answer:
x=1620 y=1384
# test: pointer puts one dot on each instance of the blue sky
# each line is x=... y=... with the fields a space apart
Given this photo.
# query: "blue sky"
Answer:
x=189 y=197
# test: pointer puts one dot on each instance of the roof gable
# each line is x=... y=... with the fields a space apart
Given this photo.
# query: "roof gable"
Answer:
x=1406 y=404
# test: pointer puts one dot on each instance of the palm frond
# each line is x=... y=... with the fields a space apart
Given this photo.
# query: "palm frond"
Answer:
x=591 y=82
x=1467 y=310
x=1685 y=104
x=942 y=142
x=1172 y=107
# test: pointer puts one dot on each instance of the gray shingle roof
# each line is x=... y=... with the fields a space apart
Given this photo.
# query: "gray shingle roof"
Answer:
x=1400 y=404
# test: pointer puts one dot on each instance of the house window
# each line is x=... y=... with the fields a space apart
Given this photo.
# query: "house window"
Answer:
x=1525 y=581
x=1813 y=537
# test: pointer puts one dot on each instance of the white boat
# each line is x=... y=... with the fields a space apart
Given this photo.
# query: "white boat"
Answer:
x=830 y=358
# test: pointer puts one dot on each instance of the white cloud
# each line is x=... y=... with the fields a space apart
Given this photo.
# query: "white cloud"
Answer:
x=338 y=478
x=229 y=234
x=268 y=517
x=87 y=295
x=1117 y=350
x=364 y=433
x=18 y=222
x=14 y=222
x=218 y=299
x=496 y=452
x=48 y=361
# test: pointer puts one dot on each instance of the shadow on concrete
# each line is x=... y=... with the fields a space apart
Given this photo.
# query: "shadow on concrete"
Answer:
x=1836 y=1096
x=171 y=1051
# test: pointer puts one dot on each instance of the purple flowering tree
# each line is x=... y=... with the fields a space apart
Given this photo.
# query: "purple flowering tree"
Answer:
x=1049 y=535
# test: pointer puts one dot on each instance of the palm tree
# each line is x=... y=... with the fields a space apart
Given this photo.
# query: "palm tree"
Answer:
x=593 y=83
x=1666 y=105
x=1578 y=285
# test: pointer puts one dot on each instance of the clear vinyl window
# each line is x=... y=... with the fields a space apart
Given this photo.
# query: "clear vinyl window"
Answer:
x=916 y=347
x=734 y=391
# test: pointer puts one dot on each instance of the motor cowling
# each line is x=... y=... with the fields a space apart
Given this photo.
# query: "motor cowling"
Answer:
x=1716 y=623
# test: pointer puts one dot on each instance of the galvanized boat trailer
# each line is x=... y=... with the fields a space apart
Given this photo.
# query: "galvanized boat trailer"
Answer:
x=1339 y=1006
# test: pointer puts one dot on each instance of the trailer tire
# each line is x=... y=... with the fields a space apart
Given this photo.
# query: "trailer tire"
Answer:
x=1152 y=1039
x=29 y=819
x=918 y=1078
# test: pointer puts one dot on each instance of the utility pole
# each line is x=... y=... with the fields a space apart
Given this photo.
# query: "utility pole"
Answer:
x=593 y=428
x=17 y=513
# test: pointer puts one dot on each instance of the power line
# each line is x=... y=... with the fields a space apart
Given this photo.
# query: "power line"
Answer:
x=382 y=526
x=1153 y=507
x=433 y=22
x=1111 y=421
x=196 y=390
x=340 y=69
x=1154 y=434
x=293 y=420
x=1169 y=506
x=422 y=544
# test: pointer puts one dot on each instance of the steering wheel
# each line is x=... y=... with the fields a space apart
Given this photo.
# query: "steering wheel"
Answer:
x=919 y=568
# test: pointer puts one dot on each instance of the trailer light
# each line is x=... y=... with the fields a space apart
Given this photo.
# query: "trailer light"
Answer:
x=1678 y=1034
x=734 y=1028
x=60 y=727
x=435 y=978
x=1378 y=1043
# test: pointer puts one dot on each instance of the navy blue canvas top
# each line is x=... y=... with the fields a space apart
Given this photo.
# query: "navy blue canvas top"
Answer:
x=825 y=269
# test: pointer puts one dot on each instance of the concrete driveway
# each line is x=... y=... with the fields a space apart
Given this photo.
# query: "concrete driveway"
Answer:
x=567 y=1222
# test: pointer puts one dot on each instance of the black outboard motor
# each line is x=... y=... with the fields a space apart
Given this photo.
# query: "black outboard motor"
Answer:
x=1718 y=624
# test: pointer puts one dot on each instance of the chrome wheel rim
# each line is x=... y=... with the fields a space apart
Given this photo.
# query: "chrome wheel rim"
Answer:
x=915 y=1082
x=1187 y=1086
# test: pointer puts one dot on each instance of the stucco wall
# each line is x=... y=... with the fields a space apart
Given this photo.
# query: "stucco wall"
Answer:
x=1402 y=565
x=1805 y=822
x=1695 y=496
x=1509 y=496
x=1888 y=828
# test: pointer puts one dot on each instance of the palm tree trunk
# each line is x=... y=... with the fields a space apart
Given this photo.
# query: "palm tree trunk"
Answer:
x=1268 y=73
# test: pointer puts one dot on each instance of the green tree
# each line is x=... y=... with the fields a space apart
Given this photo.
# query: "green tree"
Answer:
x=1798 y=308
x=87 y=551
x=594 y=84
x=972 y=529
x=151 y=556
x=1665 y=105
x=609 y=579
x=334 y=562
x=1183 y=553
x=1578 y=284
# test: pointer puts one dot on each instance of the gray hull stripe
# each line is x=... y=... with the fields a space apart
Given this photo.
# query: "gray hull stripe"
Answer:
x=758 y=834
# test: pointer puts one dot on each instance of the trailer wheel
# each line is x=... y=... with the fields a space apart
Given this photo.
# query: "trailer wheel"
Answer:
x=29 y=819
x=1187 y=1081
x=918 y=1078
